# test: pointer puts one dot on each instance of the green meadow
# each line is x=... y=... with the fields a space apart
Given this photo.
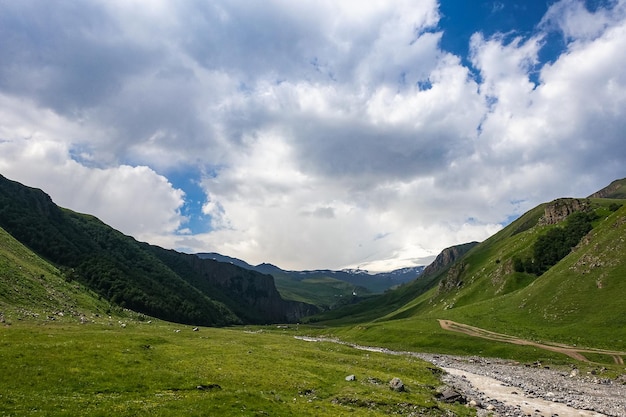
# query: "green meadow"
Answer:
x=65 y=368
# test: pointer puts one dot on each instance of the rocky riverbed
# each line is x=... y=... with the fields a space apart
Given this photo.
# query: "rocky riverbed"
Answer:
x=497 y=387
x=505 y=388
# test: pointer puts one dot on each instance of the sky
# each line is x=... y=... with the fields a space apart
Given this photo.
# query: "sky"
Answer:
x=312 y=134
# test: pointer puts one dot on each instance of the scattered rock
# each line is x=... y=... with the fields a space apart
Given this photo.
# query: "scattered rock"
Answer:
x=450 y=395
x=396 y=384
x=351 y=378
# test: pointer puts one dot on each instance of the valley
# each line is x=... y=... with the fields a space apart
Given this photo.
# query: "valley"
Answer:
x=94 y=322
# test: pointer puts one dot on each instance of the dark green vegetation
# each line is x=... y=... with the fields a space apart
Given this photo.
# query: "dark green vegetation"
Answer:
x=556 y=243
x=31 y=287
x=147 y=279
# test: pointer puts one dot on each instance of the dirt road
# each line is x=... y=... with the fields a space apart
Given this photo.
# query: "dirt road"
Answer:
x=571 y=351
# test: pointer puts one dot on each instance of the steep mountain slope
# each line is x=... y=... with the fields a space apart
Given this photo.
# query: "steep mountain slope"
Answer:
x=31 y=287
x=578 y=300
x=164 y=284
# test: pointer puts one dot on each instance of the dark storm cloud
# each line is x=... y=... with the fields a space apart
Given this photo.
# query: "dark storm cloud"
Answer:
x=67 y=55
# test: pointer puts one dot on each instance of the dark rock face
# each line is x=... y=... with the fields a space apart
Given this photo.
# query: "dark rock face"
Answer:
x=453 y=278
x=447 y=257
x=559 y=209
x=255 y=293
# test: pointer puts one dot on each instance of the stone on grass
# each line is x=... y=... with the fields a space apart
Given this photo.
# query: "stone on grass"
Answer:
x=396 y=384
x=351 y=378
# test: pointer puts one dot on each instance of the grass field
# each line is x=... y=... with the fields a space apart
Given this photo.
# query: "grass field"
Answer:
x=160 y=369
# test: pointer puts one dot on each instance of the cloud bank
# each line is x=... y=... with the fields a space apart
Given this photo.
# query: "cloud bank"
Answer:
x=322 y=135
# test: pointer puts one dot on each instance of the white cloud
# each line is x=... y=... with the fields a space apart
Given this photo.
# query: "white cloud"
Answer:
x=578 y=24
x=35 y=150
x=331 y=133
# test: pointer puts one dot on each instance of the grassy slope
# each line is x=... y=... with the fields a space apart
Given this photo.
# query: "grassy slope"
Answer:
x=578 y=301
x=617 y=189
x=31 y=287
x=138 y=276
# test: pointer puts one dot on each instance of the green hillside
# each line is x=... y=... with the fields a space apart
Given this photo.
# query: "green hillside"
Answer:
x=324 y=292
x=144 y=278
x=616 y=189
x=579 y=301
x=32 y=288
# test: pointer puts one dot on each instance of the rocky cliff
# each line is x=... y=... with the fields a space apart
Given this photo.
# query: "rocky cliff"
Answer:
x=256 y=293
x=557 y=210
x=447 y=257
x=251 y=295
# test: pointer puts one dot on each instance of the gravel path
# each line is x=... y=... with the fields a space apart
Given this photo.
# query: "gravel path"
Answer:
x=498 y=387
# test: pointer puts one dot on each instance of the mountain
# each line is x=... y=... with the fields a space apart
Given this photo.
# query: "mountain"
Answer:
x=616 y=189
x=556 y=273
x=447 y=257
x=144 y=278
x=327 y=289
x=375 y=307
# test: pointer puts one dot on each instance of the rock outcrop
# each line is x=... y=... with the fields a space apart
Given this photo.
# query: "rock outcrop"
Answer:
x=447 y=257
x=557 y=210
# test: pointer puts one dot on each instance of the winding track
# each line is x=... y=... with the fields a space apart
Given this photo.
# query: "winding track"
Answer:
x=571 y=351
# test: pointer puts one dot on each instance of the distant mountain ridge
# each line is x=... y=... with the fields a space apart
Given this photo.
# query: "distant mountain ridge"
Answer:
x=616 y=189
x=145 y=278
x=374 y=283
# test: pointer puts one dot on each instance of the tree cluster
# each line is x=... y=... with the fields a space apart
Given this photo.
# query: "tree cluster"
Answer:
x=555 y=244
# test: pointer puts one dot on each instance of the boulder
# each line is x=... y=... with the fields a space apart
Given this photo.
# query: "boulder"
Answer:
x=396 y=384
x=450 y=395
